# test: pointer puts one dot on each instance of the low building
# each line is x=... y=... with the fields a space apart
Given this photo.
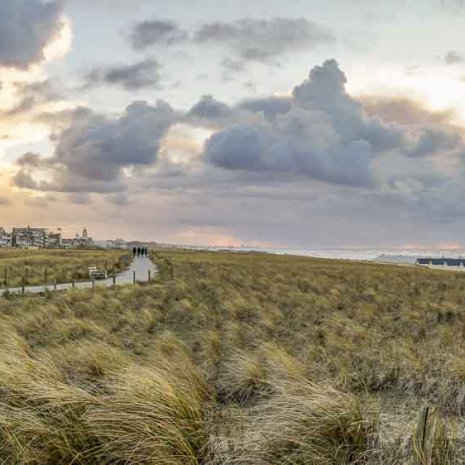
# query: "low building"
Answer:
x=55 y=240
x=454 y=263
x=30 y=237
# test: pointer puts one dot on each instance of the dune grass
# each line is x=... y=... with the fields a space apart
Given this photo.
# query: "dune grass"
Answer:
x=37 y=266
x=233 y=358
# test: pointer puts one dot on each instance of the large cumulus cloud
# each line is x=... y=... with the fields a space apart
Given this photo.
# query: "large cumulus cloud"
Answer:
x=26 y=28
x=320 y=132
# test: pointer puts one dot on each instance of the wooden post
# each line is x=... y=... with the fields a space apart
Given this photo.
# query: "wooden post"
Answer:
x=45 y=276
x=150 y=277
x=134 y=277
x=72 y=283
x=93 y=283
x=23 y=287
x=6 y=277
x=114 y=281
x=27 y=275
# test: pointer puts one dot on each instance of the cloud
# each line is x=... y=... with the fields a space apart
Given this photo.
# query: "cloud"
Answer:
x=29 y=159
x=32 y=94
x=156 y=32
x=321 y=133
x=453 y=58
x=42 y=201
x=403 y=110
x=318 y=153
x=140 y=75
x=269 y=106
x=253 y=40
x=80 y=198
x=26 y=28
x=120 y=199
x=92 y=152
x=209 y=109
x=245 y=40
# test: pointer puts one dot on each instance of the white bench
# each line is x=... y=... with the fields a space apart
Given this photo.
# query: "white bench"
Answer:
x=94 y=273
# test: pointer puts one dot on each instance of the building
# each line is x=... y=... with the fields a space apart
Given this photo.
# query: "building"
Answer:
x=55 y=240
x=5 y=238
x=454 y=263
x=30 y=237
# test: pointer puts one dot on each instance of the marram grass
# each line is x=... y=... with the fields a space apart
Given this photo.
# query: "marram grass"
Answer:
x=244 y=359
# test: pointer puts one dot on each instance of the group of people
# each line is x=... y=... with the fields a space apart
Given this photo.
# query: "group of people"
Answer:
x=140 y=251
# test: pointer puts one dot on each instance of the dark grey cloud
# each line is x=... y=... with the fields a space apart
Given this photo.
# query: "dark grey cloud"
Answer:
x=261 y=40
x=140 y=75
x=26 y=28
x=301 y=143
x=453 y=58
x=245 y=40
x=208 y=108
x=156 y=32
x=91 y=153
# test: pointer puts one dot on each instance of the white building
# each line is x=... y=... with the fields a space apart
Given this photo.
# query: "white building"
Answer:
x=30 y=237
x=5 y=238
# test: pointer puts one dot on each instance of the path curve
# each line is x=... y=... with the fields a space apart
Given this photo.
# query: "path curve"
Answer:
x=140 y=265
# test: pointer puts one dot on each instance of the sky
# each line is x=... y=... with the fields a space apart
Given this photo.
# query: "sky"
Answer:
x=302 y=124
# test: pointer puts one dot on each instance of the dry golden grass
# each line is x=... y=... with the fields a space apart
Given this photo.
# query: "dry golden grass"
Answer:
x=236 y=359
x=36 y=266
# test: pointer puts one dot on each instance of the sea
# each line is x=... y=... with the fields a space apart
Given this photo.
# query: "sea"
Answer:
x=395 y=255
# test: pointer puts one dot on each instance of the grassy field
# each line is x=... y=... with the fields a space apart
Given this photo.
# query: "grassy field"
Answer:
x=238 y=359
x=38 y=266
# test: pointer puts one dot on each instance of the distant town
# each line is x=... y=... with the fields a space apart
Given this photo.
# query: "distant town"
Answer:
x=43 y=238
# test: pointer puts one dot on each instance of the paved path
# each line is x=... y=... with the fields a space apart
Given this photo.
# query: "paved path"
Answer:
x=140 y=265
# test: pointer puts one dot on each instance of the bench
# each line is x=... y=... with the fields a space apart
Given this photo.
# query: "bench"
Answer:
x=94 y=273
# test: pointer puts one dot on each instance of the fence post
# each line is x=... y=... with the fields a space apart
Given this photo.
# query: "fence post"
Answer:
x=23 y=290
x=27 y=275
x=45 y=276
x=72 y=283
x=114 y=281
x=134 y=277
x=150 y=276
x=93 y=283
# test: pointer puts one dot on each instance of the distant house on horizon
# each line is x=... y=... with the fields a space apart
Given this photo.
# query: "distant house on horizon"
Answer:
x=458 y=263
